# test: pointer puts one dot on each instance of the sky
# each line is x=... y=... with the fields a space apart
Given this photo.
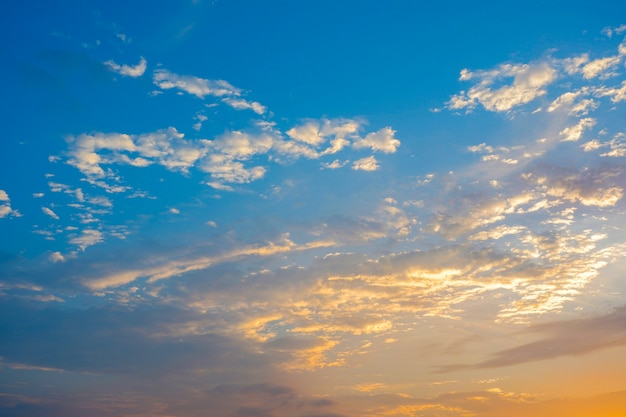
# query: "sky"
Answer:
x=238 y=208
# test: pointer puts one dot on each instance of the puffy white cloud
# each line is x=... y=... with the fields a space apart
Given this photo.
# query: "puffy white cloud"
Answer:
x=317 y=132
x=382 y=140
x=56 y=257
x=127 y=70
x=196 y=86
x=225 y=157
x=5 y=206
x=84 y=151
x=527 y=83
x=570 y=102
x=88 y=237
x=601 y=67
x=574 y=133
x=366 y=164
x=308 y=133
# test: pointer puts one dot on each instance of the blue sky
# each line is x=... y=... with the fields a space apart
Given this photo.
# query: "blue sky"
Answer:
x=312 y=209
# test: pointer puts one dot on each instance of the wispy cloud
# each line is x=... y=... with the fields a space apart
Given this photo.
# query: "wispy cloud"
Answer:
x=50 y=213
x=128 y=70
x=196 y=86
x=5 y=206
x=563 y=338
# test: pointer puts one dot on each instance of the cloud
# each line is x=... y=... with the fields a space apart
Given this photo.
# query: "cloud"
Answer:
x=126 y=70
x=366 y=164
x=511 y=85
x=601 y=67
x=616 y=94
x=224 y=157
x=56 y=257
x=182 y=266
x=5 y=206
x=382 y=140
x=609 y=30
x=241 y=104
x=616 y=146
x=528 y=81
x=196 y=86
x=574 y=133
x=566 y=338
x=88 y=237
x=572 y=103
x=50 y=213
x=336 y=164
x=317 y=132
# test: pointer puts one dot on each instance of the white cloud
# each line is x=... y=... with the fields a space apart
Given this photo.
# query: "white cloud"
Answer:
x=174 y=210
x=616 y=94
x=226 y=157
x=196 y=86
x=617 y=146
x=609 y=31
x=38 y=195
x=574 y=133
x=381 y=140
x=89 y=237
x=366 y=164
x=5 y=206
x=56 y=257
x=308 y=133
x=572 y=104
x=241 y=104
x=601 y=67
x=334 y=164
x=127 y=70
x=201 y=118
x=50 y=213
x=100 y=201
x=528 y=82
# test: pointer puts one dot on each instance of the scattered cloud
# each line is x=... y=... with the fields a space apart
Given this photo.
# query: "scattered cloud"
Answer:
x=563 y=338
x=127 y=70
x=366 y=164
x=241 y=104
x=223 y=157
x=609 y=30
x=56 y=257
x=574 y=133
x=382 y=140
x=88 y=237
x=527 y=82
x=50 y=213
x=5 y=206
x=196 y=86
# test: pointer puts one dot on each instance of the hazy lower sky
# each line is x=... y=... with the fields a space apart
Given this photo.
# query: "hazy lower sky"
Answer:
x=242 y=208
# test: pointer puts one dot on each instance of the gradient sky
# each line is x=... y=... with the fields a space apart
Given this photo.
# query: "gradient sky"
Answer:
x=240 y=208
